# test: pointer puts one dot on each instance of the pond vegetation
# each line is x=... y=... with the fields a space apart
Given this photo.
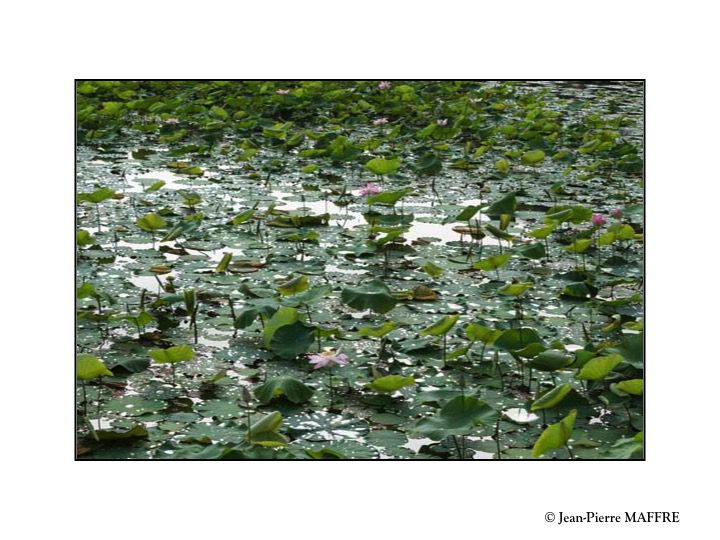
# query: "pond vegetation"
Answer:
x=367 y=270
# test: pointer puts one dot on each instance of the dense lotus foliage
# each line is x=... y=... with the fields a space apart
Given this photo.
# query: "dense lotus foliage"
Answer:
x=359 y=270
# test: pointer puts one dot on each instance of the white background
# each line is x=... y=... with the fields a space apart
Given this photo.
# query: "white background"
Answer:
x=45 y=46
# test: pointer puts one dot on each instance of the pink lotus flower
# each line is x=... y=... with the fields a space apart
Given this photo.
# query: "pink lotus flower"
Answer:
x=172 y=121
x=282 y=91
x=384 y=85
x=370 y=189
x=380 y=121
x=328 y=358
x=616 y=213
x=598 y=220
x=442 y=121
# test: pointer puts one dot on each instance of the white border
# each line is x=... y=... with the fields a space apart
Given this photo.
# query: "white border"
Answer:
x=47 y=45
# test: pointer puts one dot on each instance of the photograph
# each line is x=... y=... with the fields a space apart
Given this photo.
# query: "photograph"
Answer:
x=341 y=269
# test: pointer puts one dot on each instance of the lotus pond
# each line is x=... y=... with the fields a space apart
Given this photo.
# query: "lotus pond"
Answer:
x=359 y=270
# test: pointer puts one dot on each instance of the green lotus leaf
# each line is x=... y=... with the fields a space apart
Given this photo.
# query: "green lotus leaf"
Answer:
x=374 y=295
x=391 y=383
x=292 y=389
x=555 y=435
x=382 y=166
x=172 y=355
x=88 y=367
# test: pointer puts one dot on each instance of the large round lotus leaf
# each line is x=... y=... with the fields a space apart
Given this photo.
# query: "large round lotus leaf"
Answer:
x=89 y=367
x=391 y=383
x=172 y=355
x=382 y=166
x=96 y=196
x=388 y=198
x=506 y=205
x=459 y=416
x=516 y=339
x=374 y=295
x=291 y=388
x=292 y=340
x=151 y=222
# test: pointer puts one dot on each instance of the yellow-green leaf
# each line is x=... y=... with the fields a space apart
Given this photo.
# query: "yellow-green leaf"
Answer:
x=555 y=435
